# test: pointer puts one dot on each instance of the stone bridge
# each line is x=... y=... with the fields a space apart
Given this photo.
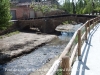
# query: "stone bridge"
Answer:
x=48 y=24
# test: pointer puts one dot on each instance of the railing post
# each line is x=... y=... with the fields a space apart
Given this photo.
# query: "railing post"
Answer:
x=98 y=19
x=86 y=32
x=89 y=26
x=79 y=45
x=93 y=23
x=66 y=68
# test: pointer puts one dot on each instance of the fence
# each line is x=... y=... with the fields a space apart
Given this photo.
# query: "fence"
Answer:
x=66 y=61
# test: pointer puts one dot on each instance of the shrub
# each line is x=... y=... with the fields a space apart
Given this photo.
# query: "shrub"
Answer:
x=5 y=15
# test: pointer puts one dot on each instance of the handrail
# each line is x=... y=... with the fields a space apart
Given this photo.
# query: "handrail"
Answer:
x=67 y=48
x=69 y=60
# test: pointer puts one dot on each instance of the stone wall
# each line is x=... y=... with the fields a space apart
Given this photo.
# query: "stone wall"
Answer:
x=48 y=25
x=45 y=25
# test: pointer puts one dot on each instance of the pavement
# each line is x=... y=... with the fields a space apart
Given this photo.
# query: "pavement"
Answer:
x=90 y=63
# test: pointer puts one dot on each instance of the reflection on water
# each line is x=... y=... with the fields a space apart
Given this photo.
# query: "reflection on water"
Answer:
x=30 y=62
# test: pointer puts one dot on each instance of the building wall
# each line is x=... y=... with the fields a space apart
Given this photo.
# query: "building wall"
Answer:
x=22 y=12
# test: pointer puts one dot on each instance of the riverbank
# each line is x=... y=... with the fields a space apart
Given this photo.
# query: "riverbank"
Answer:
x=21 y=43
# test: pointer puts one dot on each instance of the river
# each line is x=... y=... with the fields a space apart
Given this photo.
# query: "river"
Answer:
x=28 y=63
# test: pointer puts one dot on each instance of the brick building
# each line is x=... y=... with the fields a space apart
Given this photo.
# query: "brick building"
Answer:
x=22 y=11
x=22 y=8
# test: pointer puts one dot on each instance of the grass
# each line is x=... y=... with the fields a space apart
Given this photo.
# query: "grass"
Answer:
x=76 y=39
x=9 y=34
x=59 y=72
x=67 y=22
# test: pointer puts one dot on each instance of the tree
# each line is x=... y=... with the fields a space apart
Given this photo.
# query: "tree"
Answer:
x=40 y=7
x=96 y=6
x=43 y=7
x=5 y=15
x=80 y=6
x=87 y=8
x=67 y=6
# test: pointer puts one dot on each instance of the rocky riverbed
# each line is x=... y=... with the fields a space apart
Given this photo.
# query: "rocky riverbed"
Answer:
x=68 y=27
x=21 y=43
x=41 y=58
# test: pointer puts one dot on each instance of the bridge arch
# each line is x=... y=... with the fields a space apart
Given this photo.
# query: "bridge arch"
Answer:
x=48 y=24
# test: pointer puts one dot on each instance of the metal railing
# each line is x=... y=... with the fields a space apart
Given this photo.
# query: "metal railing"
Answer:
x=66 y=61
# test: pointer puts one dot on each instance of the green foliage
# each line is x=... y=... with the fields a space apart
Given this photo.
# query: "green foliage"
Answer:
x=54 y=6
x=59 y=71
x=97 y=9
x=88 y=8
x=5 y=15
x=97 y=6
x=67 y=22
x=67 y=6
x=81 y=6
x=44 y=8
x=76 y=39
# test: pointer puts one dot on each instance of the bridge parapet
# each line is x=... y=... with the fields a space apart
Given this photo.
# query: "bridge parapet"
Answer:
x=48 y=24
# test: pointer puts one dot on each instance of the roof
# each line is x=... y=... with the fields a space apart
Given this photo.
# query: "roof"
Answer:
x=24 y=4
x=23 y=1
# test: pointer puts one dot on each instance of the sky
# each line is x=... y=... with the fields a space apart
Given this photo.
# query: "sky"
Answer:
x=62 y=1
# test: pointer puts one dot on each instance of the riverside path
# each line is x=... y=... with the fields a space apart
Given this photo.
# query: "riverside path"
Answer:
x=90 y=63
